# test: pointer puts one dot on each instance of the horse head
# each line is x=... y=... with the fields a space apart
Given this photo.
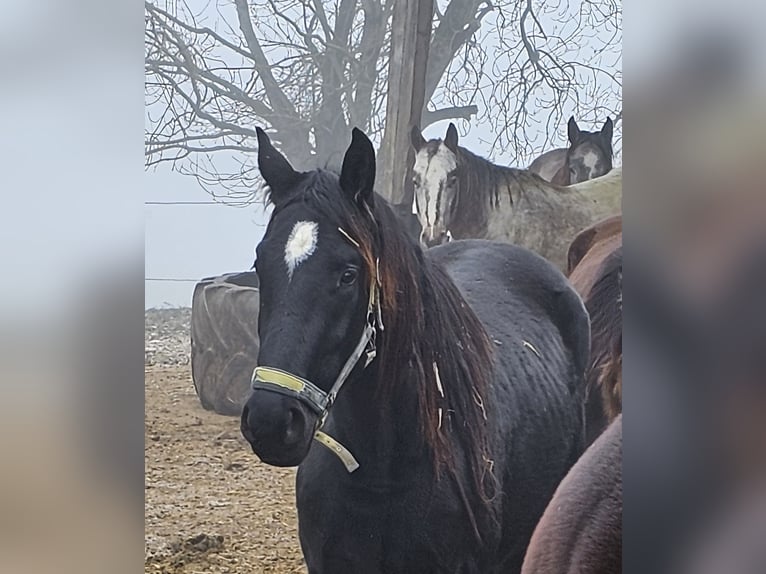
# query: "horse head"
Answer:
x=435 y=178
x=589 y=154
x=318 y=297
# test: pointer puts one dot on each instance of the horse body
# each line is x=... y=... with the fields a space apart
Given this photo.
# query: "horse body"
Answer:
x=543 y=217
x=596 y=254
x=461 y=193
x=396 y=516
x=536 y=215
x=548 y=164
x=581 y=529
x=537 y=390
x=468 y=416
x=598 y=233
x=588 y=156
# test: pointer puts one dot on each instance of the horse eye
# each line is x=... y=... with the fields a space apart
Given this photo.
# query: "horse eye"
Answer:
x=349 y=276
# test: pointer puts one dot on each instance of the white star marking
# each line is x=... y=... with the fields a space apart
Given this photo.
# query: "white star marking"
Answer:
x=300 y=245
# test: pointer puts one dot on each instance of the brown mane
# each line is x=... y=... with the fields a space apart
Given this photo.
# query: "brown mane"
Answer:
x=596 y=257
x=605 y=307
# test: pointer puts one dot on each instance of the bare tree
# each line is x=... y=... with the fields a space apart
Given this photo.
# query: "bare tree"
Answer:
x=310 y=69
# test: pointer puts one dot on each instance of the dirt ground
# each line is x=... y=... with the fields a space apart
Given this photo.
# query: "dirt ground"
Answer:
x=211 y=505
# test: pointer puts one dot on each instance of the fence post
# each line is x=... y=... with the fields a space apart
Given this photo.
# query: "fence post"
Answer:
x=410 y=40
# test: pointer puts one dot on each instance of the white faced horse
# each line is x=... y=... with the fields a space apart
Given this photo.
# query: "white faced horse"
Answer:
x=461 y=195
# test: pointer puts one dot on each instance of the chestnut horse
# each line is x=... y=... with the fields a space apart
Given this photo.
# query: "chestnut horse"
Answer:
x=581 y=529
x=595 y=270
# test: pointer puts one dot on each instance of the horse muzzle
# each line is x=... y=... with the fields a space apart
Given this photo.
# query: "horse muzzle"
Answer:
x=433 y=235
x=278 y=428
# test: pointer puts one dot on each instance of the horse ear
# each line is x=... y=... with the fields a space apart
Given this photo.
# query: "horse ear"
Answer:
x=416 y=136
x=451 y=140
x=277 y=172
x=573 y=131
x=606 y=131
x=579 y=247
x=357 y=176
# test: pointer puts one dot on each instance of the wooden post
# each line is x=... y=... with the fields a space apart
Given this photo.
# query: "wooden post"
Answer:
x=410 y=40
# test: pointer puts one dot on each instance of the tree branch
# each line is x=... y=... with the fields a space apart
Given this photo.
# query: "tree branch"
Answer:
x=320 y=13
x=197 y=108
x=458 y=112
x=343 y=21
x=460 y=21
x=195 y=30
x=276 y=96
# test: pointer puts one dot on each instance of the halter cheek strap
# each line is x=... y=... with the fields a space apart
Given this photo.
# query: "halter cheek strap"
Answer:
x=282 y=382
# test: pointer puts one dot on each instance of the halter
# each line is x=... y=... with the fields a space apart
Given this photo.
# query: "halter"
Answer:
x=319 y=401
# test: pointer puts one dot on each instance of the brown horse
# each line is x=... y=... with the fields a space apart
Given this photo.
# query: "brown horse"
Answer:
x=588 y=156
x=593 y=235
x=580 y=531
x=595 y=271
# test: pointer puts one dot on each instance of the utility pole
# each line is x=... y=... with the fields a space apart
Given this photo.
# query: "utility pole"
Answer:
x=410 y=39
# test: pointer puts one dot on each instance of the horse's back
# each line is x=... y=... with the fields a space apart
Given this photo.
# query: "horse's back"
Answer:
x=540 y=335
x=605 y=190
x=510 y=286
x=581 y=529
x=549 y=163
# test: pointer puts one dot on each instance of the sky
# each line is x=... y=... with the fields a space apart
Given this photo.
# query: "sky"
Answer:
x=192 y=241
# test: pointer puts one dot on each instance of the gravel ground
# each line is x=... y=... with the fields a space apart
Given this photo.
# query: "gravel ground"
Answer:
x=210 y=504
x=166 y=336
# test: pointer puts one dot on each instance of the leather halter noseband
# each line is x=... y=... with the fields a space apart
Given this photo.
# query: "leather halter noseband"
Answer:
x=319 y=401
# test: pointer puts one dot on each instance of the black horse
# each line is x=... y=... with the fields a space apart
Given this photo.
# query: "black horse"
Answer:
x=449 y=383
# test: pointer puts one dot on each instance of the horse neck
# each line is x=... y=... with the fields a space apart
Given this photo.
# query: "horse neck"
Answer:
x=382 y=429
x=383 y=436
x=477 y=196
x=498 y=171
x=549 y=163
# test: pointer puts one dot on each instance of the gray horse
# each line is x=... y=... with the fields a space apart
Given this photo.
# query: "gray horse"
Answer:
x=459 y=195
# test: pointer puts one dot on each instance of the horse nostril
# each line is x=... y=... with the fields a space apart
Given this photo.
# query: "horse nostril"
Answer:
x=295 y=426
x=244 y=425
